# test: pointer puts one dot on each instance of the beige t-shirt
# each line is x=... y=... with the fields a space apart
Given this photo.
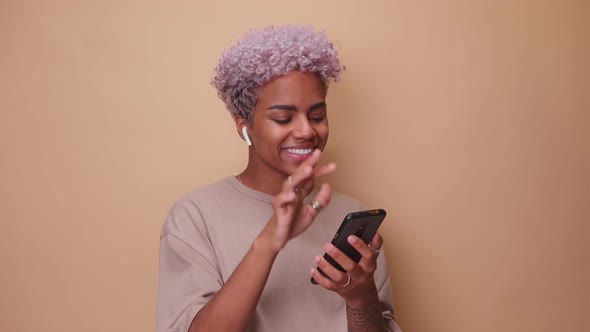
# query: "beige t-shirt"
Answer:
x=207 y=233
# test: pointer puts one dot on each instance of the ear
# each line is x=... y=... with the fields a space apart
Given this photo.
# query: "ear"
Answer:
x=243 y=127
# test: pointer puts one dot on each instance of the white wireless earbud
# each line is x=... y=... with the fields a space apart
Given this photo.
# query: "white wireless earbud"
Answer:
x=246 y=137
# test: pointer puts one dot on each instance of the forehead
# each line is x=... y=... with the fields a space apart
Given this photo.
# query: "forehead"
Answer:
x=294 y=88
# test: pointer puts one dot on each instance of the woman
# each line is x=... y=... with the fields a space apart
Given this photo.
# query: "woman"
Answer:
x=236 y=255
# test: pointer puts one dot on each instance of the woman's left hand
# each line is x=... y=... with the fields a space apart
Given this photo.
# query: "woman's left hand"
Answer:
x=360 y=289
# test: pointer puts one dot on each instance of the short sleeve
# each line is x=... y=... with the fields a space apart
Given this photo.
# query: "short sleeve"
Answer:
x=188 y=272
x=385 y=293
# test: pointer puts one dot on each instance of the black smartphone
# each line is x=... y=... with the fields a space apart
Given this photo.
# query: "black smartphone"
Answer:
x=363 y=224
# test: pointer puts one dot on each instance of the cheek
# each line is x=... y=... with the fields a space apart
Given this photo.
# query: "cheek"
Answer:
x=273 y=135
x=323 y=131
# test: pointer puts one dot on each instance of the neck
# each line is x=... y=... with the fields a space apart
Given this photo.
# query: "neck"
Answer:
x=267 y=181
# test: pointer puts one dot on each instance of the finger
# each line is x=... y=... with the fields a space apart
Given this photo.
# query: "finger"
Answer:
x=331 y=272
x=367 y=255
x=313 y=159
x=302 y=173
x=323 y=197
x=318 y=171
x=308 y=213
x=377 y=241
x=282 y=199
x=305 y=166
x=303 y=176
x=324 y=194
x=324 y=281
x=339 y=257
x=324 y=170
x=308 y=185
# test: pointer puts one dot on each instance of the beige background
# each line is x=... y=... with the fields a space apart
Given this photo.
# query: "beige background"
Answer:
x=467 y=120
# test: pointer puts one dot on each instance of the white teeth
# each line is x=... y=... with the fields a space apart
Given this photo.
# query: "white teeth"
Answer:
x=300 y=151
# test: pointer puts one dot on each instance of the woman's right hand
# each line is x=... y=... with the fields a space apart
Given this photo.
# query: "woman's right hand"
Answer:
x=291 y=217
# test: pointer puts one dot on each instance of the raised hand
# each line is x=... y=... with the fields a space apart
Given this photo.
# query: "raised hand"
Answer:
x=291 y=217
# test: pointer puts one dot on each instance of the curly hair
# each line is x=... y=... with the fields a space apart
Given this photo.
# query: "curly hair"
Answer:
x=264 y=54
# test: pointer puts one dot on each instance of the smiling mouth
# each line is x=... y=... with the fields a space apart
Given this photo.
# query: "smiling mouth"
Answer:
x=301 y=152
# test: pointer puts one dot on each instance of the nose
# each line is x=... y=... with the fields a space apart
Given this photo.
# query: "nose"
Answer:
x=304 y=129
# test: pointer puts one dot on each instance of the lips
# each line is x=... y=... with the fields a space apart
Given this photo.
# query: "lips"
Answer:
x=301 y=152
x=298 y=154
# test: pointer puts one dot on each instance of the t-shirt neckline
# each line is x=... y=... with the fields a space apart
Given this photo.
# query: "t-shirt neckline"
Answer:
x=258 y=195
x=239 y=186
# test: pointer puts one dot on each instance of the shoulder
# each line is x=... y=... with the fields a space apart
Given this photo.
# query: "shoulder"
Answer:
x=220 y=187
x=187 y=211
x=343 y=201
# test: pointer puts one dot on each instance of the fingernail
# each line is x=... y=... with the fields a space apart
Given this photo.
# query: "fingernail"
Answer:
x=352 y=239
x=312 y=270
x=329 y=247
x=317 y=259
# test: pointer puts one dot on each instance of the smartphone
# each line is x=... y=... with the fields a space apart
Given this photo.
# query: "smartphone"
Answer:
x=363 y=224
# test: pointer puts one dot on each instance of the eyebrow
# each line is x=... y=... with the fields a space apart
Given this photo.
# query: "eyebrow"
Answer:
x=293 y=108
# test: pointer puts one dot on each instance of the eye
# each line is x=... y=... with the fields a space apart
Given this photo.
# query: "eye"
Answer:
x=317 y=118
x=282 y=121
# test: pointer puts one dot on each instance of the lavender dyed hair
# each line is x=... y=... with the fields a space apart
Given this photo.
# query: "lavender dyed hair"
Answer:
x=262 y=55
